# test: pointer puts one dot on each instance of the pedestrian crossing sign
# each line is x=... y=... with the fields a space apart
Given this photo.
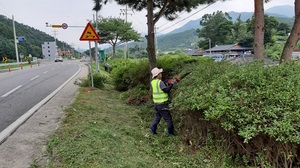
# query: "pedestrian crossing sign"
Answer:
x=89 y=34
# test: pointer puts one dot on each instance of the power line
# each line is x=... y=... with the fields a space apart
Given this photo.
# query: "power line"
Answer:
x=4 y=8
x=140 y=22
x=8 y=13
x=187 y=17
x=169 y=22
x=125 y=12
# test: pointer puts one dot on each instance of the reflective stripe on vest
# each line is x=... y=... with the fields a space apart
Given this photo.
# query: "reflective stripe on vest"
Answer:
x=159 y=96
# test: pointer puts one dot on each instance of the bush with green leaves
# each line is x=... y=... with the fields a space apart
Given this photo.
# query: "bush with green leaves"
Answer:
x=175 y=64
x=257 y=108
x=98 y=80
x=128 y=73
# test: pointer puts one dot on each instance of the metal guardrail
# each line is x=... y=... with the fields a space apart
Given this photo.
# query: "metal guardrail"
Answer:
x=6 y=64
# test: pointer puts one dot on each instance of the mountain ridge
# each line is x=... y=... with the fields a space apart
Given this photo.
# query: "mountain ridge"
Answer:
x=283 y=11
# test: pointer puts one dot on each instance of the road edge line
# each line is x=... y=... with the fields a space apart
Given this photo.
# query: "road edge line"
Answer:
x=16 y=124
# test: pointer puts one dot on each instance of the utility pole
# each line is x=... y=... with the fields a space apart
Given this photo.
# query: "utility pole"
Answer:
x=96 y=42
x=125 y=12
x=54 y=34
x=73 y=46
x=63 y=50
x=15 y=37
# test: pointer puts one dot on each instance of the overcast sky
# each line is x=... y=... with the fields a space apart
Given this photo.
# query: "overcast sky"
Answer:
x=35 y=13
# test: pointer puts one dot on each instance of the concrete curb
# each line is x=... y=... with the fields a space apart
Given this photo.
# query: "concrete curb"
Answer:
x=14 y=126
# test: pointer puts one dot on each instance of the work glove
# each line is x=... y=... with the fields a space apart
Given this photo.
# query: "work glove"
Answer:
x=174 y=81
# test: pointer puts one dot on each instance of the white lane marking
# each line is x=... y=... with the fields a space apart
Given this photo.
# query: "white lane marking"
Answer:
x=8 y=93
x=34 y=77
x=45 y=72
x=12 y=127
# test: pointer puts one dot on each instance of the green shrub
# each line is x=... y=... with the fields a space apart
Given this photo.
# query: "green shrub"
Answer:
x=190 y=92
x=137 y=96
x=175 y=64
x=257 y=107
x=255 y=100
x=127 y=73
x=98 y=80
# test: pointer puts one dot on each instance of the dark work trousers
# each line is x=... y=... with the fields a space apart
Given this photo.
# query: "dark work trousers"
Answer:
x=162 y=111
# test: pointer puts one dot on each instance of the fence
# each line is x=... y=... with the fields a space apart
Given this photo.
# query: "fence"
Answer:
x=4 y=67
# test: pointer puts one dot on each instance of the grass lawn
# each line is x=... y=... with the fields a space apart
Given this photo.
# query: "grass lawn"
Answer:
x=101 y=131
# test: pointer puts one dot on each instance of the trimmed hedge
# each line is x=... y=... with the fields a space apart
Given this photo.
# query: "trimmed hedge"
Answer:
x=127 y=73
x=257 y=108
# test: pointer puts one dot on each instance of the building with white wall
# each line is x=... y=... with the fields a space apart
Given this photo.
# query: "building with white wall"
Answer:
x=49 y=50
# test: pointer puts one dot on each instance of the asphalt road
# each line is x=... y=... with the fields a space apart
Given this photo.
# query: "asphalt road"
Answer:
x=22 y=90
x=27 y=144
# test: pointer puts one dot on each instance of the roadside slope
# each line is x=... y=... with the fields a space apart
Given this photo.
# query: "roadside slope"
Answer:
x=100 y=130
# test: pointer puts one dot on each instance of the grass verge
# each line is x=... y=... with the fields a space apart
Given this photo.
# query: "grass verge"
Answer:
x=100 y=130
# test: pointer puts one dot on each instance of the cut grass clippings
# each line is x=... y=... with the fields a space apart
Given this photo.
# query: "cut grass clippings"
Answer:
x=100 y=130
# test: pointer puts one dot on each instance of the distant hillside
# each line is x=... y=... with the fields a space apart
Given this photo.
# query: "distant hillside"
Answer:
x=171 y=42
x=281 y=13
x=284 y=10
x=32 y=45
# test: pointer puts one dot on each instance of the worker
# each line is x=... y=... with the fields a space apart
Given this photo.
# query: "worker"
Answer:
x=106 y=67
x=160 y=98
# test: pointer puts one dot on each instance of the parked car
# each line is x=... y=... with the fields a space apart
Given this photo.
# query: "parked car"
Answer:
x=58 y=59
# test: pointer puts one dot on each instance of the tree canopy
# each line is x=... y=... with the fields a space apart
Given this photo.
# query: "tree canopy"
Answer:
x=167 y=9
x=222 y=30
x=216 y=25
x=116 y=30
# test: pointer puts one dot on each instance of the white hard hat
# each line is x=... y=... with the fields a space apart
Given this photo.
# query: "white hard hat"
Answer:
x=155 y=71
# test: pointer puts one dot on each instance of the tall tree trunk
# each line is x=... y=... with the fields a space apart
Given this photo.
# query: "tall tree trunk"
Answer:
x=114 y=51
x=259 y=29
x=150 y=36
x=294 y=36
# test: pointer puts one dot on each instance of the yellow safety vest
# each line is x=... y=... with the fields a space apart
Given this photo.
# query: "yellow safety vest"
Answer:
x=159 y=96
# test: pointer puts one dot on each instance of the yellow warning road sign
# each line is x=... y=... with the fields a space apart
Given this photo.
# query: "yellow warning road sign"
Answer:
x=89 y=34
x=4 y=59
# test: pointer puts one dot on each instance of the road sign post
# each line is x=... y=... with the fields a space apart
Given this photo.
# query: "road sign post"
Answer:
x=89 y=34
x=21 y=56
x=30 y=56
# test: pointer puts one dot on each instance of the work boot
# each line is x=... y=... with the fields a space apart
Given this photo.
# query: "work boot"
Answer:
x=153 y=130
x=171 y=131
